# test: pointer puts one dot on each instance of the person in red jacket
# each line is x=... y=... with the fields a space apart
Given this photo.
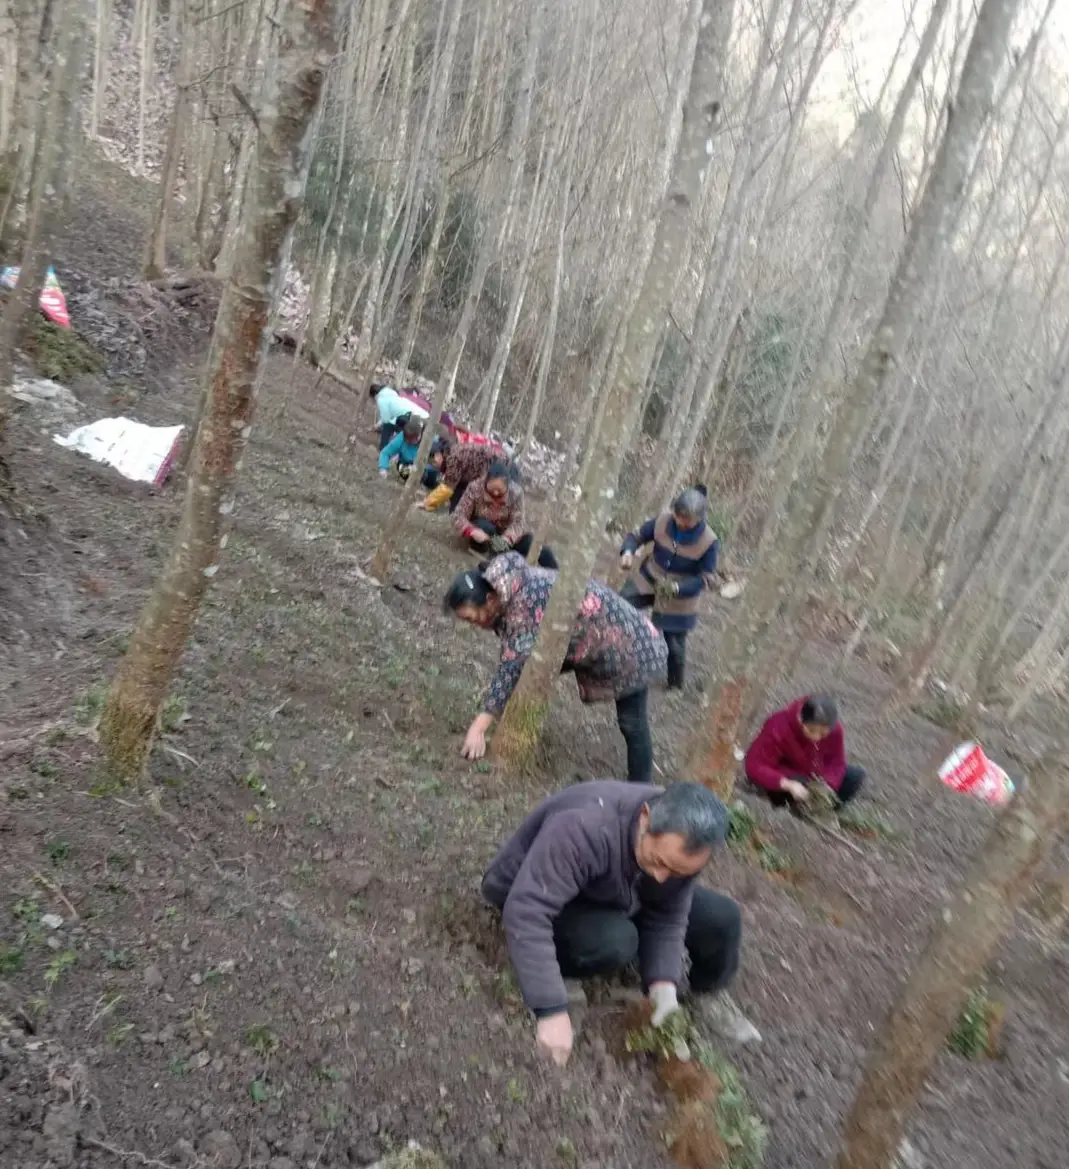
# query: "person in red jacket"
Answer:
x=798 y=744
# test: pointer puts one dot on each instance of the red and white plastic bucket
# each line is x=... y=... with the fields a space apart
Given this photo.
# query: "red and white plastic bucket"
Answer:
x=969 y=771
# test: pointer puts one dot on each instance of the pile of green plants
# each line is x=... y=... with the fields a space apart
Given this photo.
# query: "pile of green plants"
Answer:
x=60 y=354
x=976 y=1033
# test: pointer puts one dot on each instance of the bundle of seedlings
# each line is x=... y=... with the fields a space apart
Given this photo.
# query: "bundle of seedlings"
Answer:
x=712 y=1125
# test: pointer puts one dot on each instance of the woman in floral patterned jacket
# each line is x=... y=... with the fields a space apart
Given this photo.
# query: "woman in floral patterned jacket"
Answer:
x=614 y=650
x=489 y=516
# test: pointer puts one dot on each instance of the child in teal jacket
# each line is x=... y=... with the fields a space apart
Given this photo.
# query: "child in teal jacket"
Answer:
x=404 y=446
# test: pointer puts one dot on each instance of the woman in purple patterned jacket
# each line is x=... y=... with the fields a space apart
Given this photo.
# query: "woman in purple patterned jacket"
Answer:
x=614 y=650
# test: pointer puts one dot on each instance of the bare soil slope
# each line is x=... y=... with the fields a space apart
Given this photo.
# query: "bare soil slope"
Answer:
x=276 y=956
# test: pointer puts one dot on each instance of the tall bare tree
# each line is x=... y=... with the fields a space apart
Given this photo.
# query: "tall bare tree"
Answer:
x=782 y=579
x=705 y=52
x=240 y=339
x=54 y=144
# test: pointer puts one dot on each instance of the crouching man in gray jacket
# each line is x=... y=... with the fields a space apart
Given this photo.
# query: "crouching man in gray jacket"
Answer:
x=603 y=874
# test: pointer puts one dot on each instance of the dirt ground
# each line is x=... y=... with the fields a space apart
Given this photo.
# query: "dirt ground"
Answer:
x=274 y=957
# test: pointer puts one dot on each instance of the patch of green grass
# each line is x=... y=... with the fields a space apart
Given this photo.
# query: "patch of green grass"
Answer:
x=742 y=824
x=26 y=910
x=12 y=959
x=261 y=1039
x=516 y=1091
x=742 y=1130
x=567 y=1153
x=45 y=768
x=975 y=1034
x=774 y=860
x=505 y=987
x=91 y=705
x=59 y=965
x=394 y=671
x=254 y=782
x=173 y=713
x=867 y=822
x=944 y=711
x=58 y=851
x=61 y=354
x=117 y=960
x=118 y=1034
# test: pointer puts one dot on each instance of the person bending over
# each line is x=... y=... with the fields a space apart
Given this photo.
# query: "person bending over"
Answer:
x=602 y=875
x=797 y=745
x=672 y=576
x=614 y=650
x=403 y=447
x=489 y=516
x=458 y=464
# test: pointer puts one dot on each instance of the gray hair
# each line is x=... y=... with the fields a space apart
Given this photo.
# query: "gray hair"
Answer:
x=691 y=810
x=693 y=503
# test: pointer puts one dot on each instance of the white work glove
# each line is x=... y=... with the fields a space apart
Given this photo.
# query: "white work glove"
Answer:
x=626 y=560
x=665 y=1001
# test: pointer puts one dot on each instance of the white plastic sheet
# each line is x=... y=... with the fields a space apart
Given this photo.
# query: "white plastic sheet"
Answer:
x=139 y=452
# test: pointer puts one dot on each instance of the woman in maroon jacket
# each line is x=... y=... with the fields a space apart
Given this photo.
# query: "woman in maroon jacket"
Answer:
x=798 y=744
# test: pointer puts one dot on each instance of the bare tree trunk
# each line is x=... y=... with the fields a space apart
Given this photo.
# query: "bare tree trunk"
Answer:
x=545 y=359
x=9 y=56
x=518 y=293
x=100 y=64
x=53 y=147
x=371 y=324
x=35 y=20
x=156 y=253
x=720 y=265
x=972 y=926
x=145 y=35
x=710 y=755
x=238 y=345
x=430 y=137
x=524 y=716
x=827 y=352
x=426 y=274
x=1032 y=669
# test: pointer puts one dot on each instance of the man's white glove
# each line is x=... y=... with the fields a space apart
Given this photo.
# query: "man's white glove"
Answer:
x=665 y=1001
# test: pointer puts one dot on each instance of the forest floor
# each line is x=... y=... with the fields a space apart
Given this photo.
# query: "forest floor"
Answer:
x=274 y=955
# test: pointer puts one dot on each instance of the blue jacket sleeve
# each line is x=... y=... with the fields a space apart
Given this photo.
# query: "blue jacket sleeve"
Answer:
x=391 y=450
x=703 y=578
x=636 y=540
